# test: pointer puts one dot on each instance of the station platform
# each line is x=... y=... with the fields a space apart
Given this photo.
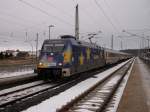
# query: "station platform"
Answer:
x=136 y=96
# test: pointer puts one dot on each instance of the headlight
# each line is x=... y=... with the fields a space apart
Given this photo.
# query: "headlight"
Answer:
x=52 y=54
x=40 y=63
x=60 y=64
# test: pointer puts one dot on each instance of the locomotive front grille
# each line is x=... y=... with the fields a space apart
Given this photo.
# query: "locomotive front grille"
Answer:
x=50 y=72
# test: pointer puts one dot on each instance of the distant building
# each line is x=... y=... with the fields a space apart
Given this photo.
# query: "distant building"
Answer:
x=17 y=53
x=13 y=52
x=22 y=54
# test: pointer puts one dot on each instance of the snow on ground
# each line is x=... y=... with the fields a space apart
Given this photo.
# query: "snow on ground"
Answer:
x=12 y=74
x=16 y=88
x=56 y=102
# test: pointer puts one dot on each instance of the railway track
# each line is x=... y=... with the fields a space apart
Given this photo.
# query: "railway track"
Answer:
x=11 y=95
x=10 y=99
x=13 y=81
x=21 y=87
x=98 y=97
x=21 y=97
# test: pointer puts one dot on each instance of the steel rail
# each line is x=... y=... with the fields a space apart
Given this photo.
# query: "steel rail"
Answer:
x=34 y=96
x=18 y=97
x=97 y=97
x=11 y=90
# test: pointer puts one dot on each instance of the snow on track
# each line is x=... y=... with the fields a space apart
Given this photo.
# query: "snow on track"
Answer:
x=56 y=102
x=5 y=91
x=119 y=93
x=12 y=74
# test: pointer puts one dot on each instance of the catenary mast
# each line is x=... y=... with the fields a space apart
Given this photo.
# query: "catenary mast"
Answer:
x=77 y=23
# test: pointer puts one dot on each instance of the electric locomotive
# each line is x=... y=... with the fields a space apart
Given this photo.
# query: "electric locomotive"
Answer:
x=67 y=56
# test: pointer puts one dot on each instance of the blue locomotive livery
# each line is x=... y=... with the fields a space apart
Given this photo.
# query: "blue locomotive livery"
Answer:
x=67 y=56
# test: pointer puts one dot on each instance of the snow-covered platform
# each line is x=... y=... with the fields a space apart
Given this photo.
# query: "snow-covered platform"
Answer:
x=136 y=97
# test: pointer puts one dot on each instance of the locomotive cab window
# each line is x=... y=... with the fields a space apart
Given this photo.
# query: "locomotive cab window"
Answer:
x=53 y=47
x=48 y=47
x=58 y=47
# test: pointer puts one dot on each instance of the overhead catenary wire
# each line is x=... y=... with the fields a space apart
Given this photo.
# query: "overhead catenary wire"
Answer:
x=89 y=15
x=102 y=10
x=84 y=10
x=22 y=22
x=46 y=13
x=13 y=22
x=60 y=10
x=144 y=30
x=22 y=25
x=15 y=17
x=112 y=14
x=24 y=28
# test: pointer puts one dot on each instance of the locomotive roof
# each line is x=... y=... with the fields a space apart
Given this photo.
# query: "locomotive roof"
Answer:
x=73 y=40
x=81 y=43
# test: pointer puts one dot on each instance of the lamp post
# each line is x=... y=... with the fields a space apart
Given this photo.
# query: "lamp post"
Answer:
x=49 y=29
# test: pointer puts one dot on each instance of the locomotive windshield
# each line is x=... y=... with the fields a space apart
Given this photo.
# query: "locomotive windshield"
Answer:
x=53 y=47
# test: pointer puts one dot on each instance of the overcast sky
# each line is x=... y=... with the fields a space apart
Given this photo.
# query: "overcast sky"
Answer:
x=108 y=16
